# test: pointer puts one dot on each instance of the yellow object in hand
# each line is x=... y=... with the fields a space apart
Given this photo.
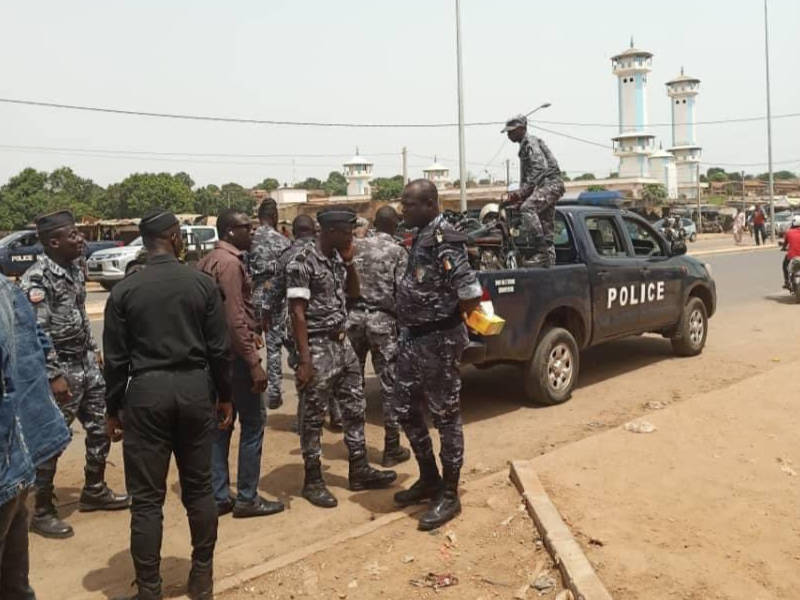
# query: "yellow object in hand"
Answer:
x=485 y=324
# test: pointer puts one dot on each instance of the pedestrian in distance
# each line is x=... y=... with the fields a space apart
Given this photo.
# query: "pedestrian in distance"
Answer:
x=372 y=318
x=541 y=186
x=738 y=227
x=56 y=287
x=226 y=265
x=32 y=431
x=267 y=247
x=759 y=226
x=436 y=291
x=167 y=360
x=318 y=280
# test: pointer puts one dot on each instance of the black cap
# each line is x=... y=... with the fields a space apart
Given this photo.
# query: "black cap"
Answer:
x=156 y=221
x=336 y=217
x=54 y=220
x=514 y=122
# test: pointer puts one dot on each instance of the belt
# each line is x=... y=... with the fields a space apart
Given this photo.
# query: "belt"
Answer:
x=370 y=308
x=335 y=335
x=441 y=325
x=183 y=368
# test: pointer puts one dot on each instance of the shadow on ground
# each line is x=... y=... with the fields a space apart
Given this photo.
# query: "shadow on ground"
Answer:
x=106 y=580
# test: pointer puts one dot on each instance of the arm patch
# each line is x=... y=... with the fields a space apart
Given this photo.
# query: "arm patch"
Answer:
x=36 y=295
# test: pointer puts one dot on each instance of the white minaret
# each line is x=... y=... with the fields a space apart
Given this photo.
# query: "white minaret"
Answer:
x=662 y=168
x=682 y=92
x=438 y=174
x=634 y=143
x=358 y=172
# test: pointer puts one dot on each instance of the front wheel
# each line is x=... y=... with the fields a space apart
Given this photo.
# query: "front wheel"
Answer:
x=692 y=329
x=552 y=372
x=693 y=237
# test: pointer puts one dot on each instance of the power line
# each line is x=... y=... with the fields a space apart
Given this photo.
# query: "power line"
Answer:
x=208 y=118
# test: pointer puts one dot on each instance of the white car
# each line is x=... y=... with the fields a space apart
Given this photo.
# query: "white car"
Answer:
x=107 y=267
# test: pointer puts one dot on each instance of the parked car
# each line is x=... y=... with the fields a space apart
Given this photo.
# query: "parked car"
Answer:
x=688 y=225
x=19 y=249
x=783 y=221
x=107 y=267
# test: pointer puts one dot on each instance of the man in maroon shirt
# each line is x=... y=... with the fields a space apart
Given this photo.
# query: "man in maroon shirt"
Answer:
x=226 y=264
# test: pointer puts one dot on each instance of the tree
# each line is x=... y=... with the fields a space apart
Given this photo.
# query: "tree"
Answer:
x=141 y=192
x=484 y=181
x=387 y=189
x=613 y=175
x=718 y=177
x=564 y=176
x=654 y=193
x=597 y=188
x=784 y=175
x=269 y=184
x=713 y=171
x=207 y=200
x=185 y=179
x=233 y=195
x=585 y=177
x=311 y=183
x=336 y=184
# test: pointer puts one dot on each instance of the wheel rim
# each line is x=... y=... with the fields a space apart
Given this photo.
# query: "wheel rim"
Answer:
x=560 y=366
x=697 y=327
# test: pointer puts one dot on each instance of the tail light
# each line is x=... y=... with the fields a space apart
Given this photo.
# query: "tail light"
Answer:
x=119 y=244
x=486 y=302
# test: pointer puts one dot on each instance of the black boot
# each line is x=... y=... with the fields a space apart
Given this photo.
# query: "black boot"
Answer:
x=314 y=489
x=393 y=452
x=425 y=488
x=364 y=477
x=96 y=494
x=201 y=582
x=447 y=505
x=45 y=519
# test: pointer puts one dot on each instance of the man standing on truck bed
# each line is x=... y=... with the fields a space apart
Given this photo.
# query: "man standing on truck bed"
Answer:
x=540 y=187
x=55 y=286
x=438 y=287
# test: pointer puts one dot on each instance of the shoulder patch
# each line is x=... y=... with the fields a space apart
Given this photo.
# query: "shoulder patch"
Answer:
x=36 y=295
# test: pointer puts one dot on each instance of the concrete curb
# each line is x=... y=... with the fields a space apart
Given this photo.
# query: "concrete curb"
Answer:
x=732 y=250
x=578 y=575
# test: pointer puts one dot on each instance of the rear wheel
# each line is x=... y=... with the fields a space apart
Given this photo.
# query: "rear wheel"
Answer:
x=552 y=372
x=692 y=329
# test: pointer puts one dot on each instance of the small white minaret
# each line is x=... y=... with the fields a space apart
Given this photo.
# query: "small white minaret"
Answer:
x=358 y=172
x=662 y=168
x=682 y=92
x=438 y=174
x=634 y=143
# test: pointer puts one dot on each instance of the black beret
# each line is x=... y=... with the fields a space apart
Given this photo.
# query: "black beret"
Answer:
x=54 y=220
x=156 y=221
x=336 y=217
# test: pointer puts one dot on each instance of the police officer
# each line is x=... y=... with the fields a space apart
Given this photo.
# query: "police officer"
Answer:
x=167 y=358
x=318 y=279
x=540 y=188
x=55 y=285
x=372 y=319
x=437 y=288
x=267 y=247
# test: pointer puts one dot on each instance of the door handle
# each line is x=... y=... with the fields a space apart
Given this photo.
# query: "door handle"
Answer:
x=602 y=274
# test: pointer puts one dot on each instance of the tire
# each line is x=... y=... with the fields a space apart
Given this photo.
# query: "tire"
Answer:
x=553 y=369
x=693 y=237
x=692 y=329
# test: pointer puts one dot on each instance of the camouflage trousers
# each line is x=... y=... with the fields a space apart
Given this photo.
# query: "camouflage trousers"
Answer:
x=428 y=376
x=376 y=332
x=276 y=339
x=88 y=405
x=337 y=374
x=538 y=213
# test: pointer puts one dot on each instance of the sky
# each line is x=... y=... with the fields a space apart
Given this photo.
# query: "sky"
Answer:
x=375 y=61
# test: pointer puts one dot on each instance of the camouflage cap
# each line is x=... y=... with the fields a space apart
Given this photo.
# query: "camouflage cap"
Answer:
x=514 y=122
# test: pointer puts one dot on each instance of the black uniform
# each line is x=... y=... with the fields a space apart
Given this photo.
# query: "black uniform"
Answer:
x=165 y=329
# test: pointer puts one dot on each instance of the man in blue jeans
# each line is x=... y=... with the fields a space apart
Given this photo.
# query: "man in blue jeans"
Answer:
x=226 y=264
x=32 y=430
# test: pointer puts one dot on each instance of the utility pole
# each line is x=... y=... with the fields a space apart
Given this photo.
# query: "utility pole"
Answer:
x=462 y=163
x=769 y=132
x=405 y=165
x=508 y=173
x=699 y=212
x=743 y=195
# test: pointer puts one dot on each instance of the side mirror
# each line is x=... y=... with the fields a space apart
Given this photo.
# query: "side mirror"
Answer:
x=678 y=248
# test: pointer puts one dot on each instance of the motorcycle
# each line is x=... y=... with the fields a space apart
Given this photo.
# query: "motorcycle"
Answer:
x=794 y=278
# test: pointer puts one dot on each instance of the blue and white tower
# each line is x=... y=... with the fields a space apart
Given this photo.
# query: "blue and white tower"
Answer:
x=682 y=92
x=634 y=143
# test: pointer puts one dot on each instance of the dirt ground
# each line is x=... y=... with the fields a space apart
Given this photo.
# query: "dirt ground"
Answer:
x=492 y=554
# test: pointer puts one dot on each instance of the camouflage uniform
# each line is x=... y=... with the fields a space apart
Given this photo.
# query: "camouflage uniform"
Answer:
x=540 y=189
x=268 y=245
x=372 y=320
x=432 y=339
x=320 y=280
x=58 y=296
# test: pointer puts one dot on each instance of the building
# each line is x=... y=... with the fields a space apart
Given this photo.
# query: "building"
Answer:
x=682 y=92
x=358 y=172
x=287 y=195
x=438 y=174
x=662 y=169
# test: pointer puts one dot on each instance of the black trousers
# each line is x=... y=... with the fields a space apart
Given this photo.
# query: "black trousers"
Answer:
x=760 y=231
x=168 y=412
x=14 y=550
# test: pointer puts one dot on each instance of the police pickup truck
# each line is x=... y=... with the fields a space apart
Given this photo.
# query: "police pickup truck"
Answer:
x=614 y=277
x=19 y=249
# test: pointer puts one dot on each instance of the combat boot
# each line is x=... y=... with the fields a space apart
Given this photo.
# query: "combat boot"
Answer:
x=364 y=477
x=393 y=452
x=96 y=494
x=425 y=488
x=201 y=581
x=314 y=489
x=45 y=519
x=447 y=505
